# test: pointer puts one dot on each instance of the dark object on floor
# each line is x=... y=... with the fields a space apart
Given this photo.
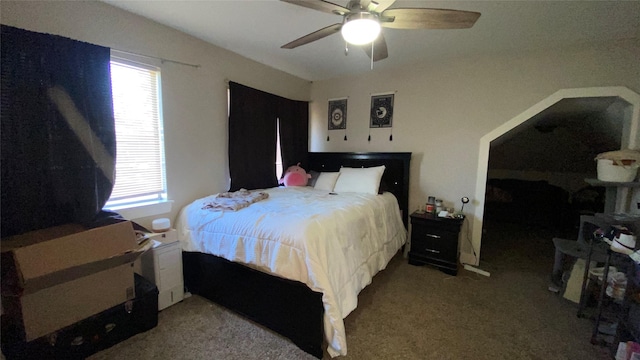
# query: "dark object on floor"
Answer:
x=534 y=203
x=93 y=334
x=287 y=307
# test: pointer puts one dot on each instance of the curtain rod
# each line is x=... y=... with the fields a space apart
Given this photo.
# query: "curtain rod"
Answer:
x=162 y=60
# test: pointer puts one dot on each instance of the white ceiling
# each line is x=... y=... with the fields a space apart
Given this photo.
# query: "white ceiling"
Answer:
x=257 y=28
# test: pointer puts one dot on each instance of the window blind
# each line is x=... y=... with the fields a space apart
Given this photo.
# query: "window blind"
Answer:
x=139 y=134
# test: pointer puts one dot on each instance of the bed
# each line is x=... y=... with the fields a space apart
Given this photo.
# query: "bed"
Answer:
x=272 y=261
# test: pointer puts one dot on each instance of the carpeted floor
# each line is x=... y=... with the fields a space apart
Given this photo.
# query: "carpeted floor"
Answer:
x=408 y=312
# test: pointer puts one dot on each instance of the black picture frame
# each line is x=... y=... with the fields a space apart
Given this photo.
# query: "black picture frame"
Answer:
x=337 y=119
x=381 y=115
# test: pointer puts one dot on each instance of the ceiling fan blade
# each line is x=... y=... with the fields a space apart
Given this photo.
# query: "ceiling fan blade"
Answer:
x=418 y=18
x=320 y=5
x=316 y=35
x=379 y=49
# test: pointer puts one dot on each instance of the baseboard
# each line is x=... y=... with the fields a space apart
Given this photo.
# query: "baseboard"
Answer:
x=476 y=270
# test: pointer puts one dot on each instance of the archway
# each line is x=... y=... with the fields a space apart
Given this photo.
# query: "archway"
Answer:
x=631 y=139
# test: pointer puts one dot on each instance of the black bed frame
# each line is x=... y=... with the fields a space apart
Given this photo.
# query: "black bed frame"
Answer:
x=288 y=307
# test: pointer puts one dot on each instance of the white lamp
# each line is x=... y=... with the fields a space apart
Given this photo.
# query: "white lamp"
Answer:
x=360 y=28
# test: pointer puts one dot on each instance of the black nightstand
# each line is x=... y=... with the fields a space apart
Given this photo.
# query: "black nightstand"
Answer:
x=434 y=241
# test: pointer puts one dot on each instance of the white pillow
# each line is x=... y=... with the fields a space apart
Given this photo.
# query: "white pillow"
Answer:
x=326 y=181
x=362 y=180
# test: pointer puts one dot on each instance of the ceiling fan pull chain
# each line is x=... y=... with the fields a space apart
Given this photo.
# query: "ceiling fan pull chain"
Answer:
x=372 y=54
x=346 y=48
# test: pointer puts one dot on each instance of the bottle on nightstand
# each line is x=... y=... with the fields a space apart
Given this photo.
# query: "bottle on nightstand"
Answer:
x=162 y=265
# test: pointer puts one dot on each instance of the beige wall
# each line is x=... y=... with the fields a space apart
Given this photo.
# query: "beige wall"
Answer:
x=442 y=110
x=194 y=99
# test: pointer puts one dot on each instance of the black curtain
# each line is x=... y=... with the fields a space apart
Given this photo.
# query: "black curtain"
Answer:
x=252 y=138
x=294 y=132
x=57 y=129
x=252 y=135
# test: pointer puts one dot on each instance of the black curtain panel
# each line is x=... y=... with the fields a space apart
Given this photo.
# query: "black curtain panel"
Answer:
x=57 y=130
x=252 y=138
x=294 y=132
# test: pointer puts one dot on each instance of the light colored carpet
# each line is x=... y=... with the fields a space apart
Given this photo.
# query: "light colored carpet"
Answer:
x=408 y=312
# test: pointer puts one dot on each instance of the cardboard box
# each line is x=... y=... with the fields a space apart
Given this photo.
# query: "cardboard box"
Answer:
x=164 y=237
x=54 y=277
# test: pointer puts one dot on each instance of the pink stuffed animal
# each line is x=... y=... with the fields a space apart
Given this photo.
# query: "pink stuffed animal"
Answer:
x=295 y=176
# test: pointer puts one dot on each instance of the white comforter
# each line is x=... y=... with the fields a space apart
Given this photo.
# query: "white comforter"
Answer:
x=334 y=244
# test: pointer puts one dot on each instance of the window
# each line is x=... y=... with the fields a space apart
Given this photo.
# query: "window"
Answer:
x=140 y=168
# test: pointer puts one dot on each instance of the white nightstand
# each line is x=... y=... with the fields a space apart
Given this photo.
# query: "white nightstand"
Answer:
x=162 y=265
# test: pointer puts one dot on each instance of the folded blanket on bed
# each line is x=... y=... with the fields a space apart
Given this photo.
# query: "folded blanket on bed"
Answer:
x=235 y=200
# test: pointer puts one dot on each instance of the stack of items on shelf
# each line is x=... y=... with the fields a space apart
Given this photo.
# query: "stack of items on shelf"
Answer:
x=618 y=166
x=623 y=241
x=614 y=288
x=626 y=289
x=436 y=207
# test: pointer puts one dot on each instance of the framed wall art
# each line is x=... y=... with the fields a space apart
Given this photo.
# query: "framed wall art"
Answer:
x=337 y=114
x=381 y=111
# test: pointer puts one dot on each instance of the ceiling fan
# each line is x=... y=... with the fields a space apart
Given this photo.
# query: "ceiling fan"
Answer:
x=364 y=18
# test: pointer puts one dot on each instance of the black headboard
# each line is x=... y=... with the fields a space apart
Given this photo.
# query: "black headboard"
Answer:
x=395 y=177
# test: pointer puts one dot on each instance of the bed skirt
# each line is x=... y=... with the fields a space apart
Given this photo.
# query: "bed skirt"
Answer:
x=287 y=307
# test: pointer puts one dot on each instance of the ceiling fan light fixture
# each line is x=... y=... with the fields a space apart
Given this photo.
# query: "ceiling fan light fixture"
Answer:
x=360 y=28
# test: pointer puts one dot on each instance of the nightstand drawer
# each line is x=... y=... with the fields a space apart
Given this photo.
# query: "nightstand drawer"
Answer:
x=440 y=248
x=439 y=234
